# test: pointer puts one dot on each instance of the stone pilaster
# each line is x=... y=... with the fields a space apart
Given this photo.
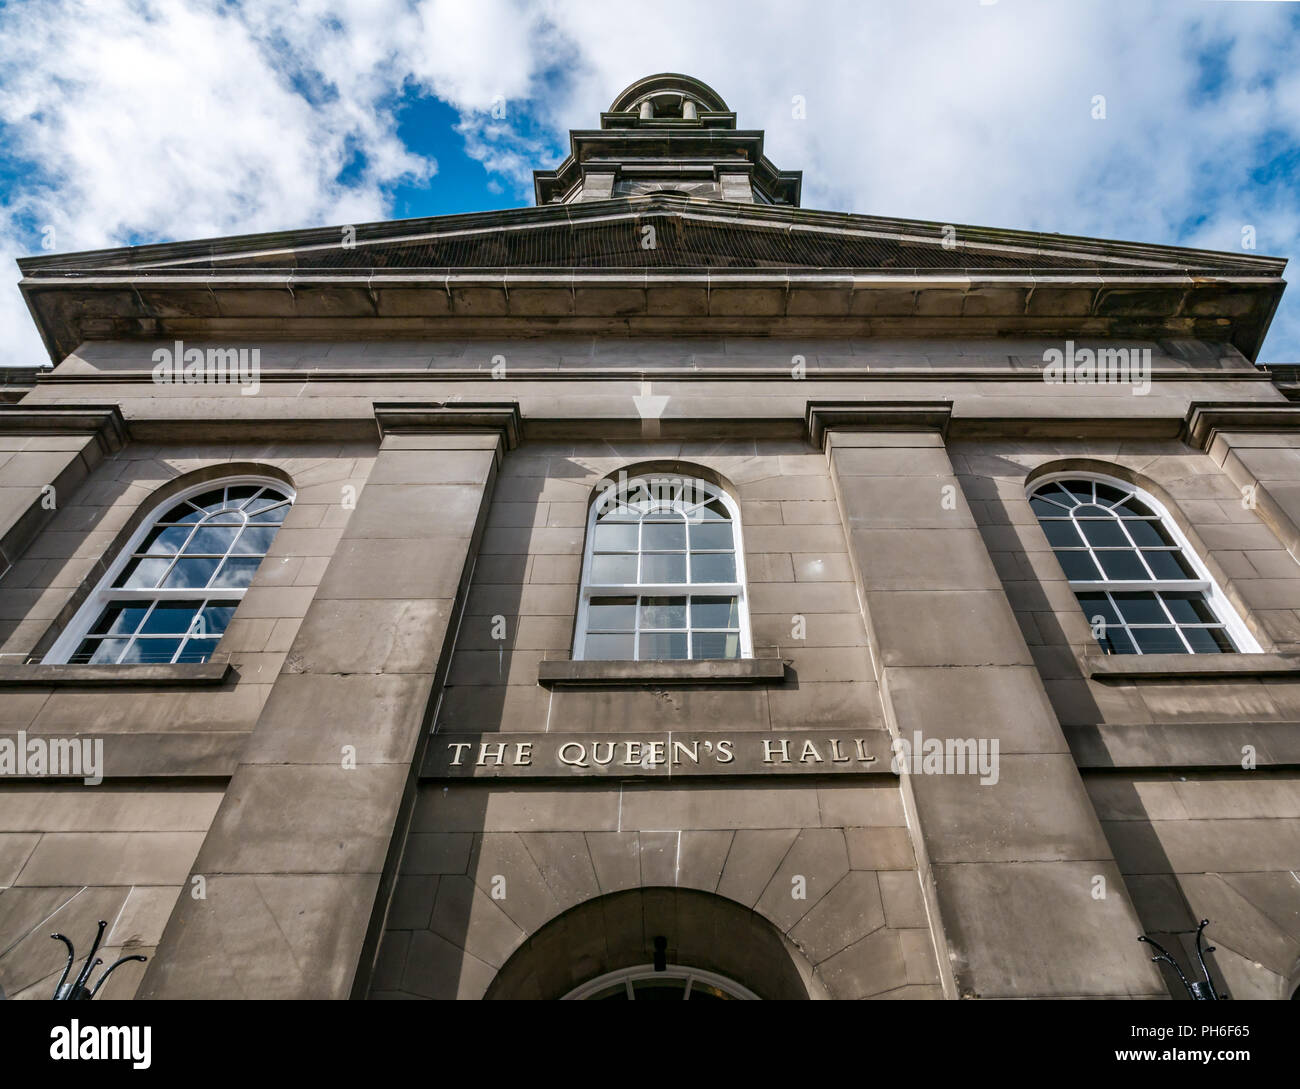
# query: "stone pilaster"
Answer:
x=1013 y=865
x=45 y=453
x=298 y=865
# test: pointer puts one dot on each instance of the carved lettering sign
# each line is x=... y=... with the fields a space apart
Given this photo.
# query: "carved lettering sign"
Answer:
x=667 y=754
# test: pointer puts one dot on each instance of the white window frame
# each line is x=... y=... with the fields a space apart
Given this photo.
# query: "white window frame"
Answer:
x=629 y=976
x=588 y=589
x=78 y=629
x=1218 y=601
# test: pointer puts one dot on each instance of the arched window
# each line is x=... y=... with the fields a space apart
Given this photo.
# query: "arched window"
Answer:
x=663 y=575
x=170 y=593
x=1141 y=586
x=670 y=983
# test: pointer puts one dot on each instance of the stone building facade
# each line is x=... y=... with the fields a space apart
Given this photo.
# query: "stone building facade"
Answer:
x=445 y=715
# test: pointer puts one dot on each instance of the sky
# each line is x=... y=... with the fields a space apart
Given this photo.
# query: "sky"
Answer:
x=126 y=121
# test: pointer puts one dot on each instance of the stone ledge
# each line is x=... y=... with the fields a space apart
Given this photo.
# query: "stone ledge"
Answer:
x=557 y=671
x=1183 y=746
x=187 y=674
x=189 y=755
x=1117 y=668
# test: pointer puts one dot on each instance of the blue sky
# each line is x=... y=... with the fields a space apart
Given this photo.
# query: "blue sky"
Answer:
x=129 y=121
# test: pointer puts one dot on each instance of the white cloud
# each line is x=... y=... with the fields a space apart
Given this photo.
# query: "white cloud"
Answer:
x=187 y=121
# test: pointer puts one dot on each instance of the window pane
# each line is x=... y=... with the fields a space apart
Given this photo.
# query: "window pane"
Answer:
x=1058 y=497
x=263 y=502
x=119 y=619
x=663 y=567
x=1095 y=605
x=216 y=617
x=214 y=540
x=1190 y=608
x=715 y=612
x=1080 y=489
x=713 y=567
x=1133 y=506
x=197 y=650
x=255 y=540
x=615 y=537
x=1123 y=566
x=711 y=535
x=1041 y=505
x=611 y=614
x=615 y=992
x=1158 y=640
x=237 y=493
x=614 y=510
x=1168 y=565
x=142 y=574
x=183 y=512
x=1116 y=641
x=609 y=648
x=171 y=618
x=613 y=569
x=165 y=540
x=1209 y=641
x=1107 y=494
x=662 y=645
x=1141 y=608
x=1078 y=566
x=711 y=512
x=190 y=571
x=210 y=501
x=151 y=651
x=236 y=573
x=271 y=515
x=663 y=535
x=1147 y=533
x=669 y=990
x=709 y=644
x=1108 y=532
x=1062 y=534
x=663 y=612
x=107 y=652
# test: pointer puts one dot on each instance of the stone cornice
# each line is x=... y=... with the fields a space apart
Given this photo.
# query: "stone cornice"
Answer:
x=104 y=422
x=300 y=305
x=1205 y=420
x=665 y=373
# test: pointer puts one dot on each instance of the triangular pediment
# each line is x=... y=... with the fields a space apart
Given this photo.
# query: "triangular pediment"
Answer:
x=652 y=265
x=662 y=231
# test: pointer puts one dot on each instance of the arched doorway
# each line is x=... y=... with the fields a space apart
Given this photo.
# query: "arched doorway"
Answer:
x=657 y=944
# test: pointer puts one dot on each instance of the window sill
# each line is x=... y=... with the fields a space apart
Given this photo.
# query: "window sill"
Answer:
x=113 y=676
x=560 y=671
x=1118 y=668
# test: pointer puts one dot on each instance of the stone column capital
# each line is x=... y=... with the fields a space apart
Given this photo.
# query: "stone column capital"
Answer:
x=430 y=417
x=825 y=416
x=1206 y=419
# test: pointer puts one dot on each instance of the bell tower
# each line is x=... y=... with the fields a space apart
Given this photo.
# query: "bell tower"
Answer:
x=668 y=134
